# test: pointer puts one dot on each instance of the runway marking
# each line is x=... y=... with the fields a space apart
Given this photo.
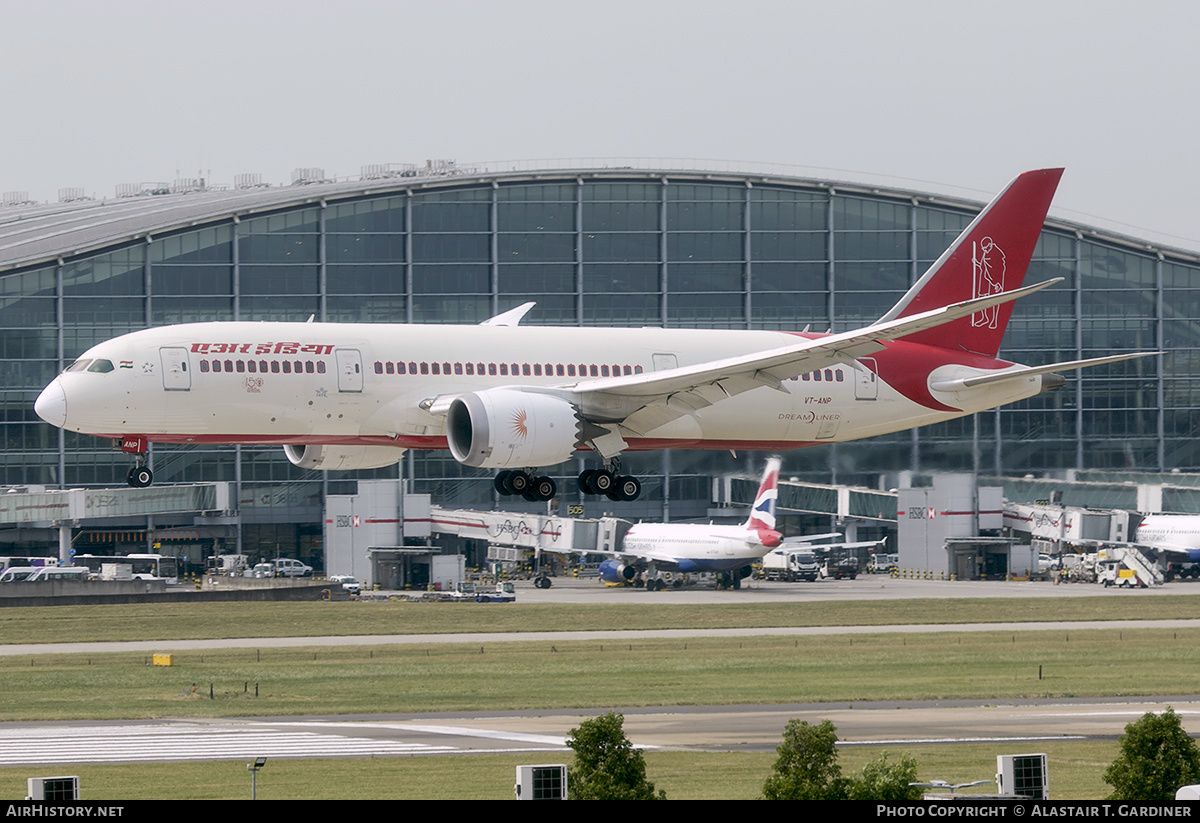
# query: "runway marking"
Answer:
x=461 y=731
x=171 y=742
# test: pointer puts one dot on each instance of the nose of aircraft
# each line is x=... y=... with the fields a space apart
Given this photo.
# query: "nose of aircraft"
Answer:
x=51 y=405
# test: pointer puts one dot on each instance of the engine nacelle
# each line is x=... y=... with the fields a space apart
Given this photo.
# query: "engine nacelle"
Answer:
x=510 y=428
x=342 y=458
x=614 y=571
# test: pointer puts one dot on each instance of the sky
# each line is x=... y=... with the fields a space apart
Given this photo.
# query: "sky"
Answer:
x=933 y=95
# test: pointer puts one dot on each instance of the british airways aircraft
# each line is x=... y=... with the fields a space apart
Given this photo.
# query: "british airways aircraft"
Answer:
x=689 y=547
x=342 y=396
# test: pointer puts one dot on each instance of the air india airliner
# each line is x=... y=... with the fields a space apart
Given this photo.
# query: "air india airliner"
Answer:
x=499 y=395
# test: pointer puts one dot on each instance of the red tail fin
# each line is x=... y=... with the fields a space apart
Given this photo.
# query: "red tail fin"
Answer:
x=989 y=257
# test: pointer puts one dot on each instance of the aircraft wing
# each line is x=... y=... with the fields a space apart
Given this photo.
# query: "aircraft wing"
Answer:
x=642 y=402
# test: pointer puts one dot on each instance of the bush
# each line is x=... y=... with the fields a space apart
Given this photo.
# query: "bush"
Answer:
x=885 y=781
x=807 y=767
x=1157 y=757
x=607 y=766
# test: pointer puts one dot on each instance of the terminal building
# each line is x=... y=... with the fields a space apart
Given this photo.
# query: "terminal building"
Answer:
x=601 y=246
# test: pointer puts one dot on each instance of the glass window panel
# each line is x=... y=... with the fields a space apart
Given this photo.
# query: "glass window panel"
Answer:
x=950 y=222
x=787 y=211
x=365 y=309
x=365 y=248
x=116 y=310
x=537 y=248
x=621 y=216
x=1108 y=268
x=277 y=248
x=871 y=245
x=705 y=309
x=536 y=279
x=869 y=215
x=788 y=246
x=379 y=215
x=522 y=217
x=615 y=248
x=704 y=246
x=621 y=191
x=169 y=279
x=692 y=277
x=451 y=248
x=451 y=279
x=790 y=311
x=281 y=307
x=280 y=280
x=633 y=277
x=704 y=216
x=871 y=276
x=31 y=311
x=701 y=192
x=385 y=279
x=1180 y=276
x=450 y=217
x=118 y=273
x=299 y=220
x=854 y=309
x=551 y=309
x=169 y=310
x=621 y=309
x=211 y=245
x=32 y=344
x=39 y=283
x=535 y=192
x=451 y=309
x=788 y=276
x=27 y=374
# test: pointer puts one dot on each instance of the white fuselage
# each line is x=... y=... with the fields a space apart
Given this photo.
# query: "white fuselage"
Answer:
x=362 y=384
x=692 y=547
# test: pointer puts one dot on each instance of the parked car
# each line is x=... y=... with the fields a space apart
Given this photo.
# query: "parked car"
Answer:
x=288 y=567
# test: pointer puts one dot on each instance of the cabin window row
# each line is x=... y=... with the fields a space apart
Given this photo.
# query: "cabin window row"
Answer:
x=509 y=369
x=264 y=366
x=829 y=375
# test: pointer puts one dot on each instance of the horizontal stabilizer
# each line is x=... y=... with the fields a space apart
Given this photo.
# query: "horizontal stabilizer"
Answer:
x=1030 y=371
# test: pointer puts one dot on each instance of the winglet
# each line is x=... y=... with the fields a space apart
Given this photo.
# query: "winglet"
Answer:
x=512 y=317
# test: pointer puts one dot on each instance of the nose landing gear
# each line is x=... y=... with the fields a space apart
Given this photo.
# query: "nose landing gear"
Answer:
x=140 y=477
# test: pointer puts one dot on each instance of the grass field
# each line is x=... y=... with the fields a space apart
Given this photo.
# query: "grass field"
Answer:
x=187 y=621
x=501 y=675
x=1074 y=768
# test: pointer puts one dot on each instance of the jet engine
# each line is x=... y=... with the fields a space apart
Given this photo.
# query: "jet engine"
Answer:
x=510 y=428
x=614 y=571
x=343 y=458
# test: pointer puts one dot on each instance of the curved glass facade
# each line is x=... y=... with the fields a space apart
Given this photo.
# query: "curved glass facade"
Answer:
x=593 y=249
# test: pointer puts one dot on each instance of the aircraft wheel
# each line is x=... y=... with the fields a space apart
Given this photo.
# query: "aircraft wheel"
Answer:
x=501 y=483
x=516 y=482
x=628 y=488
x=602 y=481
x=585 y=481
x=140 y=477
x=543 y=488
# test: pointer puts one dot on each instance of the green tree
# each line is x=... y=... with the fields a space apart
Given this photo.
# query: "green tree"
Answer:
x=1157 y=757
x=607 y=766
x=807 y=766
x=883 y=780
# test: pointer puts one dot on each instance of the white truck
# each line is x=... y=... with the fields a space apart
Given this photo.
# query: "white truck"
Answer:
x=790 y=565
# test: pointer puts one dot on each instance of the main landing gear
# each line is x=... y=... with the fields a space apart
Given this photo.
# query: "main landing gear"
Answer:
x=519 y=483
x=607 y=481
x=610 y=482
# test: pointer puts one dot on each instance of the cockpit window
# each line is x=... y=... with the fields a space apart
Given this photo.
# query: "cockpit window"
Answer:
x=78 y=365
x=101 y=366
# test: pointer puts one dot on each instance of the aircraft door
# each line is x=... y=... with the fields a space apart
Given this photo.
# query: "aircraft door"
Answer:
x=349 y=366
x=175 y=374
x=866 y=382
x=663 y=361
